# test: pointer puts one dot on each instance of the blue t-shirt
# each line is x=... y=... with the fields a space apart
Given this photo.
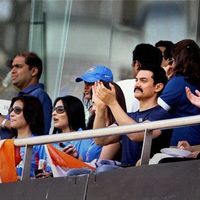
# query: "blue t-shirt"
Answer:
x=86 y=148
x=38 y=154
x=36 y=90
x=174 y=100
x=131 y=150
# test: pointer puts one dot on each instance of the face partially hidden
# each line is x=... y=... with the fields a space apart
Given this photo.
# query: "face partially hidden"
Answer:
x=18 y=121
x=135 y=68
x=164 y=61
x=20 y=73
x=144 y=87
x=87 y=91
x=169 y=68
x=60 y=120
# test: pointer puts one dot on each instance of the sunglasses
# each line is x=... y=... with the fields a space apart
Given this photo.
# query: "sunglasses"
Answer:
x=17 y=110
x=59 y=109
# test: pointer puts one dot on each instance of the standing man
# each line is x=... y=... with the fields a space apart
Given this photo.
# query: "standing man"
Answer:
x=25 y=73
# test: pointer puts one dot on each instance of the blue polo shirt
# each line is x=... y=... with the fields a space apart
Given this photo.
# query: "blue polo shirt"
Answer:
x=131 y=150
x=174 y=100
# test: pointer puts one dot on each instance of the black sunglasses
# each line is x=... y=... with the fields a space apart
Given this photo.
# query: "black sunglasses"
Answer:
x=59 y=109
x=17 y=110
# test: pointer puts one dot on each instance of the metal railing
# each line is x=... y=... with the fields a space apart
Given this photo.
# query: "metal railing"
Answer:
x=147 y=127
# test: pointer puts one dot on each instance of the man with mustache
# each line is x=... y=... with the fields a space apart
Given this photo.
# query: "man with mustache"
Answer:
x=142 y=54
x=150 y=82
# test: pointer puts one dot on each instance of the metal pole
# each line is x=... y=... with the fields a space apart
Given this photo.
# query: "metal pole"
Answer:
x=27 y=163
x=146 y=148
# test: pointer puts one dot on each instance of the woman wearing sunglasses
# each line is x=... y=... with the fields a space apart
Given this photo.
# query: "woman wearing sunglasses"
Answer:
x=26 y=118
x=68 y=115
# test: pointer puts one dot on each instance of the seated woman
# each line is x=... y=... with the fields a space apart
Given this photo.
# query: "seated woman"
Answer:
x=111 y=151
x=195 y=149
x=68 y=115
x=26 y=118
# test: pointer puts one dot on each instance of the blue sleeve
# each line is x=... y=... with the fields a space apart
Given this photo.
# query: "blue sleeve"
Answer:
x=173 y=92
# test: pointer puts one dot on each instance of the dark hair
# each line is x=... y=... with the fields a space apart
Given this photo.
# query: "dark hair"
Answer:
x=159 y=75
x=187 y=60
x=147 y=54
x=75 y=111
x=168 y=47
x=164 y=43
x=120 y=99
x=33 y=113
x=32 y=60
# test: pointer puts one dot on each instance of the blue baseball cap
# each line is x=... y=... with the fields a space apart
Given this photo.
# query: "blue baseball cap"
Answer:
x=96 y=73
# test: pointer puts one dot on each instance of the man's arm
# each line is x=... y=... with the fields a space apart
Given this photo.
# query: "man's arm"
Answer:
x=121 y=117
x=109 y=99
x=139 y=137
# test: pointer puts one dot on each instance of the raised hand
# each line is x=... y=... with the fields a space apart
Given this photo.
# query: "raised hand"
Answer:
x=97 y=103
x=106 y=95
x=193 y=98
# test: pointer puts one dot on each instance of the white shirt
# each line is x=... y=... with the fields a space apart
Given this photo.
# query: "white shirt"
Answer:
x=127 y=86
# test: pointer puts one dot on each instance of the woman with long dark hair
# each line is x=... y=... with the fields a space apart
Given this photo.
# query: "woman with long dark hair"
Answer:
x=68 y=115
x=26 y=118
x=186 y=73
x=111 y=151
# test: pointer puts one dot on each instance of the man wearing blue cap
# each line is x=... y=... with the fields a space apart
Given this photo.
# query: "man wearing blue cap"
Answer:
x=93 y=74
x=96 y=73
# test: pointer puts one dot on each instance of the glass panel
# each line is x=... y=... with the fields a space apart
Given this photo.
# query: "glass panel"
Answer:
x=106 y=32
x=48 y=37
x=89 y=41
x=71 y=35
x=148 y=22
x=14 y=28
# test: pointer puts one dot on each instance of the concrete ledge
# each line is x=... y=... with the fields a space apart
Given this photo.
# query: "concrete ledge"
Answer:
x=172 y=181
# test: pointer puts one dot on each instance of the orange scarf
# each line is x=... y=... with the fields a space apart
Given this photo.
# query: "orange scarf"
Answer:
x=9 y=158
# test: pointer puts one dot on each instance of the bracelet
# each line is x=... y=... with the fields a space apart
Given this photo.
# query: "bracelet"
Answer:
x=3 y=123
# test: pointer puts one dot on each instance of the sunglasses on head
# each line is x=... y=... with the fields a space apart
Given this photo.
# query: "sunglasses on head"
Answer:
x=59 y=109
x=17 y=110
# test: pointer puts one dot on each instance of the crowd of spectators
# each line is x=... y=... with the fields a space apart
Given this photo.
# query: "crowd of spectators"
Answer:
x=165 y=85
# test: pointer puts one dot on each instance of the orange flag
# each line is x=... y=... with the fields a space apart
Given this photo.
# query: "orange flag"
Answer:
x=8 y=161
x=62 y=159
